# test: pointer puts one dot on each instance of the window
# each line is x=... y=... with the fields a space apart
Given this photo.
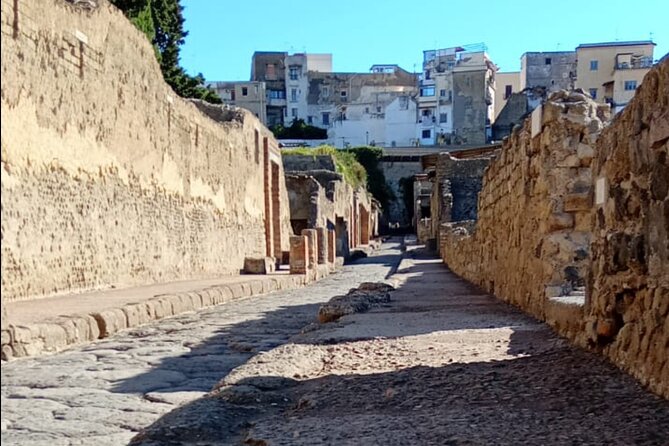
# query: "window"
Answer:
x=378 y=109
x=293 y=112
x=508 y=89
x=293 y=95
x=277 y=94
x=426 y=134
x=270 y=72
x=427 y=91
x=366 y=109
x=630 y=85
x=427 y=74
x=325 y=92
x=310 y=120
x=548 y=61
x=593 y=93
x=245 y=91
x=443 y=117
x=343 y=93
x=594 y=65
x=294 y=72
x=442 y=93
x=426 y=113
x=326 y=118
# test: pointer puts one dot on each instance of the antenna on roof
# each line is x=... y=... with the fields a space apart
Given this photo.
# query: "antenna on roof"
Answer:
x=650 y=36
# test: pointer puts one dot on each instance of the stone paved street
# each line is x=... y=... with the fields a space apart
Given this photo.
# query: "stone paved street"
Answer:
x=103 y=393
x=441 y=364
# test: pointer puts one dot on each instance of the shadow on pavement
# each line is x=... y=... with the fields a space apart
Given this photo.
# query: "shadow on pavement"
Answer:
x=556 y=394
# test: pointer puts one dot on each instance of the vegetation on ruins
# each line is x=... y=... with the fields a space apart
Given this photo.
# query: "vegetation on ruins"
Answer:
x=370 y=157
x=358 y=165
x=346 y=163
x=162 y=22
x=298 y=129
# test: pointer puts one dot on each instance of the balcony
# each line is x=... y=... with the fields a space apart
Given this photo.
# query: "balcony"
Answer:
x=276 y=102
x=625 y=62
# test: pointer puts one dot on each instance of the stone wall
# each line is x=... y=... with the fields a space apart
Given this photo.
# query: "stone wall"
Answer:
x=396 y=170
x=531 y=239
x=304 y=163
x=628 y=291
x=455 y=190
x=322 y=199
x=558 y=210
x=109 y=178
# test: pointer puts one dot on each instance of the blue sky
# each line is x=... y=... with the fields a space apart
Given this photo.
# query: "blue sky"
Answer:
x=224 y=34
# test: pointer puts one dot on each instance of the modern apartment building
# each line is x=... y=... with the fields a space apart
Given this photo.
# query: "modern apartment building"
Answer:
x=456 y=96
x=611 y=71
x=364 y=108
x=506 y=83
x=249 y=95
x=285 y=76
x=550 y=70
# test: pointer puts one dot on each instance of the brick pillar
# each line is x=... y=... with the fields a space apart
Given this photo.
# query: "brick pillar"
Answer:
x=313 y=246
x=322 y=237
x=332 y=245
x=364 y=226
x=299 y=254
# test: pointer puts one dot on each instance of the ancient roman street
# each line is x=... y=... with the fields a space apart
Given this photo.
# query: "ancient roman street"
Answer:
x=464 y=244
x=440 y=363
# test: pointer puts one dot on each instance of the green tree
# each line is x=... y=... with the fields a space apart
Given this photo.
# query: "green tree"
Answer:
x=370 y=157
x=162 y=22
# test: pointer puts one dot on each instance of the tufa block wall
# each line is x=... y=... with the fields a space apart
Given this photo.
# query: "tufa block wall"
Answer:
x=628 y=298
x=531 y=238
x=109 y=178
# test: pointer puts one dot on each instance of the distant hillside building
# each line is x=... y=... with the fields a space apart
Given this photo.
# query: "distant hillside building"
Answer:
x=456 y=96
x=612 y=71
x=553 y=70
x=249 y=95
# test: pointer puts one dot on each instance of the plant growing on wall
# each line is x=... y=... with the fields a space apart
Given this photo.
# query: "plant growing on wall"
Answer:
x=162 y=22
x=345 y=163
x=370 y=157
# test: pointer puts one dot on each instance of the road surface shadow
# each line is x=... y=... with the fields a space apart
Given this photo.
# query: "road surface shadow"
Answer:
x=557 y=398
x=552 y=394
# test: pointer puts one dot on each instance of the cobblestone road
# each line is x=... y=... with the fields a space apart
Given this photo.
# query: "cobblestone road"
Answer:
x=441 y=364
x=103 y=393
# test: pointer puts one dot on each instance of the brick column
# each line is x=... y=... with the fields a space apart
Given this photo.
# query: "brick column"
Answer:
x=364 y=226
x=322 y=251
x=313 y=246
x=332 y=245
x=299 y=254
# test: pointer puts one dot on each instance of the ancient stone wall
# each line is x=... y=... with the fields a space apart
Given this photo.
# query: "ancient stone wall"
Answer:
x=399 y=169
x=558 y=211
x=322 y=199
x=627 y=303
x=109 y=178
x=304 y=163
x=531 y=238
x=457 y=183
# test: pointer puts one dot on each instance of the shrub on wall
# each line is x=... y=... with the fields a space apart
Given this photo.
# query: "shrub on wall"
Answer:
x=298 y=130
x=345 y=162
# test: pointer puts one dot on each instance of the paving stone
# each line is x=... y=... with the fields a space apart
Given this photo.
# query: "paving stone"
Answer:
x=139 y=375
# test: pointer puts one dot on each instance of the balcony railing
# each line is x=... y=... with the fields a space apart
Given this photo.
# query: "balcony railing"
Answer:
x=645 y=62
